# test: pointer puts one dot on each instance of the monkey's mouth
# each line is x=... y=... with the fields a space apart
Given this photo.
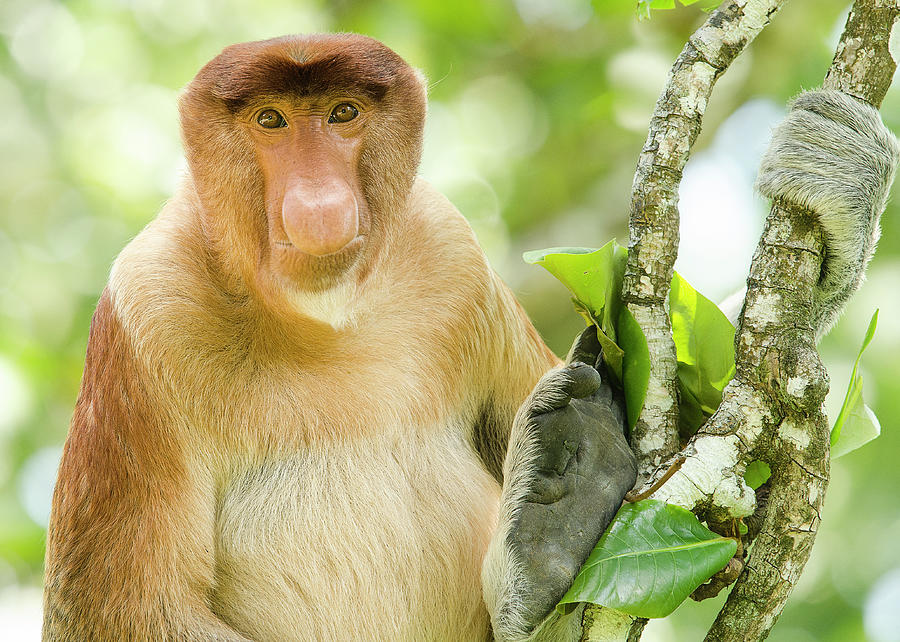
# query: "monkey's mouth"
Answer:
x=310 y=272
x=350 y=248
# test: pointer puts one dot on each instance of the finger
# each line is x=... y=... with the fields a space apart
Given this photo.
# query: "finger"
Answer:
x=585 y=380
x=558 y=387
x=586 y=347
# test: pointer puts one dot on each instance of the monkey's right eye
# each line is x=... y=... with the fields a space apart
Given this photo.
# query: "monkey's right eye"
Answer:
x=271 y=119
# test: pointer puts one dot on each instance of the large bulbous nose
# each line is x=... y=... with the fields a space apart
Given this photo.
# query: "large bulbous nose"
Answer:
x=320 y=217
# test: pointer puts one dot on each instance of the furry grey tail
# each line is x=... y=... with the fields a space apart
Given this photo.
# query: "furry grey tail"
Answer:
x=833 y=155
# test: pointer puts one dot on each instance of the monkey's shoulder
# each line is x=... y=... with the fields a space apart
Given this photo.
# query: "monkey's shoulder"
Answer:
x=444 y=233
x=436 y=253
x=161 y=278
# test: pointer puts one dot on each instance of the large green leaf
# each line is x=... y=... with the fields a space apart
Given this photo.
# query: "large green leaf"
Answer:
x=856 y=424
x=594 y=277
x=649 y=560
x=704 y=338
x=704 y=344
x=635 y=365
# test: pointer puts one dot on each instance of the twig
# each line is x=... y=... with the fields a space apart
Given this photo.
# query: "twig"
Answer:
x=634 y=496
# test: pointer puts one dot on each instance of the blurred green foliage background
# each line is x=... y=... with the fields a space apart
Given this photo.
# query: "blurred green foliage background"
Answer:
x=538 y=111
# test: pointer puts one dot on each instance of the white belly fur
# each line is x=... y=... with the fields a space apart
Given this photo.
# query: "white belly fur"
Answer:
x=381 y=539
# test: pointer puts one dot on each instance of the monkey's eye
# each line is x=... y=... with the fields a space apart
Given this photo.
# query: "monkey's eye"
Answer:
x=271 y=119
x=343 y=113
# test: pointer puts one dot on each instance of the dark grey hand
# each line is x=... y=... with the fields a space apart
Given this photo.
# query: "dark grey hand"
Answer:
x=580 y=471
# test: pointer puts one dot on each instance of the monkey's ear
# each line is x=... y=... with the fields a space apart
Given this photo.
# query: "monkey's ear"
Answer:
x=586 y=348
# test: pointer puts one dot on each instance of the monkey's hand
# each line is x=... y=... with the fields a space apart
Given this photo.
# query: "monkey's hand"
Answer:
x=567 y=469
x=834 y=156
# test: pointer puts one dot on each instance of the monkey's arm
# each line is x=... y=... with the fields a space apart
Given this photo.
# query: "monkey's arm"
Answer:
x=566 y=471
x=130 y=550
x=833 y=155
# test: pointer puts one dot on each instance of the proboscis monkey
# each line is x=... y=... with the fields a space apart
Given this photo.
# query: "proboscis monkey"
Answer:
x=310 y=410
x=297 y=414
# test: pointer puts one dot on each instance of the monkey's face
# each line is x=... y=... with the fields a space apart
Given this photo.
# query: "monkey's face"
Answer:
x=303 y=150
x=318 y=217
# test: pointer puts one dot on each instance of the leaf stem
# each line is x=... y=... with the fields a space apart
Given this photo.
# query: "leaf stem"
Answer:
x=632 y=496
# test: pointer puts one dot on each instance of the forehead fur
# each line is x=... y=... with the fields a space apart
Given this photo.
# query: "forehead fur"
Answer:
x=301 y=66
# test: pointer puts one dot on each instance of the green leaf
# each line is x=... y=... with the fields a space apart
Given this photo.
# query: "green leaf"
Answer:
x=612 y=353
x=594 y=277
x=690 y=413
x=644 y=7
x=704 y=344
x=649 y=560
x=856 y=424
x=613 y=356
x=535 y=256
x=860 y=427
x=757 y=473
x=635 y=365
x=704 y=338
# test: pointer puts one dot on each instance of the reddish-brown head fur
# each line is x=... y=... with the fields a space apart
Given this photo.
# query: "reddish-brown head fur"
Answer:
x=302 y=204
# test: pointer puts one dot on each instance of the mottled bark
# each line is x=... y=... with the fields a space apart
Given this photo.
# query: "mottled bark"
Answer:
x=774 y=408
x=863 y=67
x=653 y=247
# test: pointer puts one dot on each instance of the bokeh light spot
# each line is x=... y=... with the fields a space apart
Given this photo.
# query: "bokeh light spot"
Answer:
x=47 y=43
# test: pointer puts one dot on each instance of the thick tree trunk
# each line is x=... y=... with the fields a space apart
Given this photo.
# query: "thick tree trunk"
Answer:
x=785 y=269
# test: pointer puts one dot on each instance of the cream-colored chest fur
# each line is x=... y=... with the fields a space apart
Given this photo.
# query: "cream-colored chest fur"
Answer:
x=349 y=503
x=380 y=538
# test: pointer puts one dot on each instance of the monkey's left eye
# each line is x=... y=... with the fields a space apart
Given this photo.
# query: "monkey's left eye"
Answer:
x=343 y=113
x=271 y=119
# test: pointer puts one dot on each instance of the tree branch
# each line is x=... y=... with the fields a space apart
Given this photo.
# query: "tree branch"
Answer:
x=674 y=128
x=776 y=348
x=772 y=410
x=653 y=247
x=863 y=66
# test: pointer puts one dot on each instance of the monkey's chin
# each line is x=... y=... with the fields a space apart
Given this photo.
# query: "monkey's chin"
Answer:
x=314 y=274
